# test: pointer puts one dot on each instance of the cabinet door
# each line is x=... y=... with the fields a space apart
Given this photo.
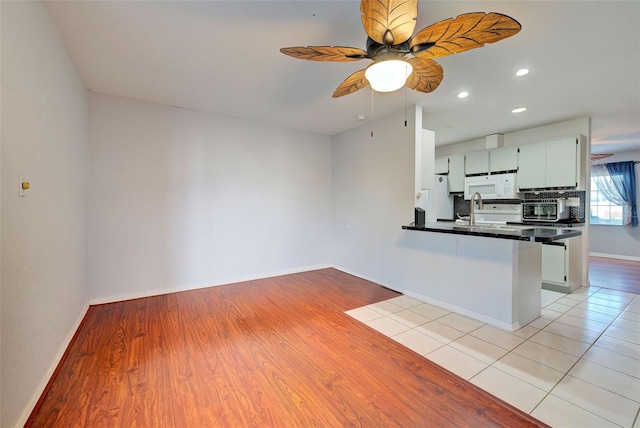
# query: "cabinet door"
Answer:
x=476 y=162
x=442 y=165
x=553 y=264
x=561 y=160
x=531 y=166
x=574 y=262
x=456 y=173
x=503 y=159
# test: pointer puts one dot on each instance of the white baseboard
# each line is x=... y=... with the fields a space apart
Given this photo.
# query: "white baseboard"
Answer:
x=615 y=256
x=225 y=281
x=52 y=368
x=377 y=281
x=502 y=325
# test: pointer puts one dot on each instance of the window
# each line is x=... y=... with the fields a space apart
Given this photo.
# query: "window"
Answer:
x=604 y=211
x=614 y=185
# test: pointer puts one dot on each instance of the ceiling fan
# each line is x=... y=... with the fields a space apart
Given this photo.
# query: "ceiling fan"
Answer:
x=389 y=25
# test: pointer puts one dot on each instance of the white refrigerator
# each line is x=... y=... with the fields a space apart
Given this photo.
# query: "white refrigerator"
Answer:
x=438 y=202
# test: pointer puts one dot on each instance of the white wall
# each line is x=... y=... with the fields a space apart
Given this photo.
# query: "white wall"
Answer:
x=44 y=235
x=462 y=148
x=618 y=241
x=181 y=199
x=373 y=196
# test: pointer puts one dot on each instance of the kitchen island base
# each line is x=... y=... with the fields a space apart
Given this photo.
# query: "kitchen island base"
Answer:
x=496 y=281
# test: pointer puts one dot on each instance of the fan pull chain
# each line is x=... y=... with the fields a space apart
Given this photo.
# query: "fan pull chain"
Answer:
x=372 y=112
x=406 y=108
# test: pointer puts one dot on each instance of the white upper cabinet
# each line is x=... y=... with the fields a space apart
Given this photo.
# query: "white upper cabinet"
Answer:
x=477 y=162
x=554 y=164
x=562 y=162
x=456 y=173
x=442 y=165
x=503 y=159
x=531 y=166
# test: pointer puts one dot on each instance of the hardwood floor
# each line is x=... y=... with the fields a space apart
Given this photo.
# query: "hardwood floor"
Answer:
x=275 y=352
x=622 y=275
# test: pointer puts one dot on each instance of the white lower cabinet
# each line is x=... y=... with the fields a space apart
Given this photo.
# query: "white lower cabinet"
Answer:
x=554 y=263
x=562 y=265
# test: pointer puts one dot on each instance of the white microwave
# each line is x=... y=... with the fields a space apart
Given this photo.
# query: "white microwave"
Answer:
x=497 y=186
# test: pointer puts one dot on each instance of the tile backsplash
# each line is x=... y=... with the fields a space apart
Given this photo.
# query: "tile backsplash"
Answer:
x=576 y=213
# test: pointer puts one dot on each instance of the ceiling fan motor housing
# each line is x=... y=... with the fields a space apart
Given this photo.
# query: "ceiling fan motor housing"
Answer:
x=377 y=51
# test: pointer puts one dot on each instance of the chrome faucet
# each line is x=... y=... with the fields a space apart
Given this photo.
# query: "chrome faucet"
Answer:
x=472 y=216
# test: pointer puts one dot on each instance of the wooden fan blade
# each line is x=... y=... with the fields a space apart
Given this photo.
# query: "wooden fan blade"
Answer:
x=468 y=31
x=396 y=16
x=427 y=75
x=351 y=84
x=325 y=53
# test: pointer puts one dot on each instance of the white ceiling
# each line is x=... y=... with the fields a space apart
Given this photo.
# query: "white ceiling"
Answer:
x=223 y=57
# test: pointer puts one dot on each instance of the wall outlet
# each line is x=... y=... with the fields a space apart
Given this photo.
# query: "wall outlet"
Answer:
x=573 y=202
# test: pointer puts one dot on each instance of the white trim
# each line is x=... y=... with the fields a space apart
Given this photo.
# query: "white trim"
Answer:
x=503 y=325
x=376 y=281
x=159 y=292
x=22 y=420
x=462 y=311
x=615 y=256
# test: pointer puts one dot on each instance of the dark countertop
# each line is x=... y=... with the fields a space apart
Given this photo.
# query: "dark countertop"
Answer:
x=564 y=223
x=519 y=233
x=561 y=223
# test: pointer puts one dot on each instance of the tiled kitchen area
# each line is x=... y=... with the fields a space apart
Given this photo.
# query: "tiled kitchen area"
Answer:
x=578 y=365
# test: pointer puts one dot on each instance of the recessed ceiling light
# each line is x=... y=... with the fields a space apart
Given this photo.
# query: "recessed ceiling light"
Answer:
x=463 y=94
x=519 y=110
x=522 y=72
x=361 y=116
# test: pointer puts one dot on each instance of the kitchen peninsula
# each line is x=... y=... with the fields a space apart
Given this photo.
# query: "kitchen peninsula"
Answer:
x=492 y=274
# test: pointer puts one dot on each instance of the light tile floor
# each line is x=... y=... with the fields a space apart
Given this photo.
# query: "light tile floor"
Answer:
x=578 y=365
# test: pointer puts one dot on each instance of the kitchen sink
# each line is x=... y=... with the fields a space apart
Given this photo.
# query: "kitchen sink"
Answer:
x=491 y=227
x=509 y=229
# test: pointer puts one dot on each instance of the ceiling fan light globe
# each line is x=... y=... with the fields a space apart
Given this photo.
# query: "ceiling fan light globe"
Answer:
x=389 y=75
